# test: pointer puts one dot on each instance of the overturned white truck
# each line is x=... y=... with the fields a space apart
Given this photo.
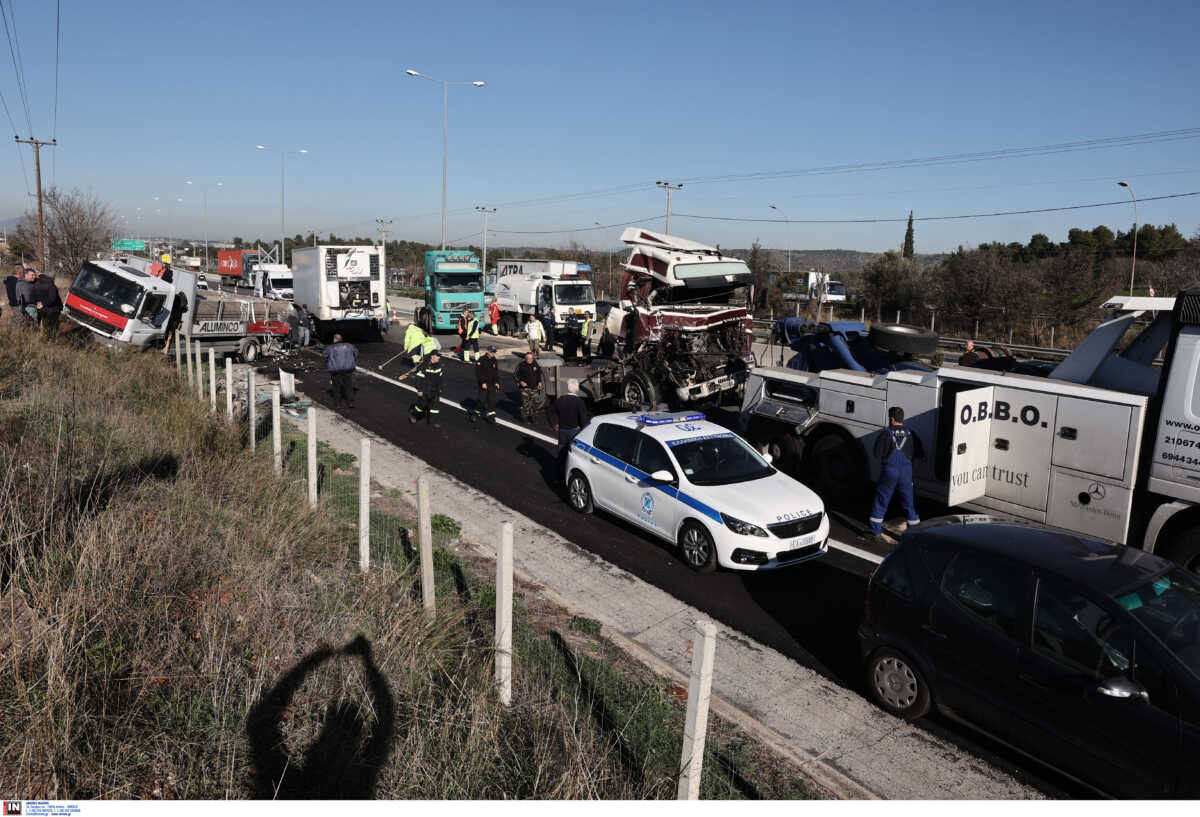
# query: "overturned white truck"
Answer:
x=1107 y=445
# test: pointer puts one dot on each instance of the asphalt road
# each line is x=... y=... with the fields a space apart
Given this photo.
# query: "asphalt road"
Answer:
x=809 y=613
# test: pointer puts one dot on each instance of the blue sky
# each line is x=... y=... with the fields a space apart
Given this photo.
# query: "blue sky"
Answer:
x=583 y=98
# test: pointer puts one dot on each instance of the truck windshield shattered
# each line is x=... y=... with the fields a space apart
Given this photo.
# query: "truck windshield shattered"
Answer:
x=105 y=289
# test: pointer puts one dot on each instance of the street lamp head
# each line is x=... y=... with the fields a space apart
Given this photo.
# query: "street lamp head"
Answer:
x=261 y=147
x=411 y=72
x=477 y=84
x=189 y=181
x=772 y=206
x=220 y=184
x=302 y=150
x=1123 y=184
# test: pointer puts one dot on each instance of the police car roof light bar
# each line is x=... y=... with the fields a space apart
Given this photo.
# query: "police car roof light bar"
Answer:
x=659 y=419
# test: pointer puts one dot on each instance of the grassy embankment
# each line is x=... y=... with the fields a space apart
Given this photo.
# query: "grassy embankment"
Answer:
x=197 y=632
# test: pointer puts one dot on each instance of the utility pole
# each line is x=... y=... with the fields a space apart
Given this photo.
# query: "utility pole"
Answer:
x=486 y=212
x=383 y=230
x=665 y=185
x=37 y=163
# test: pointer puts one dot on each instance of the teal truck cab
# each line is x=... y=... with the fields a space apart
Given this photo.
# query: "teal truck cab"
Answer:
x=453 y=282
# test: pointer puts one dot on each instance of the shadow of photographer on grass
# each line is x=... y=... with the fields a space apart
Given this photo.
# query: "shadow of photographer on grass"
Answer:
x=344 y=760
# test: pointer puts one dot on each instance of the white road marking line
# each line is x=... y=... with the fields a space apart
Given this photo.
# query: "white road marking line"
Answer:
x=499 y=420
x=865 y=555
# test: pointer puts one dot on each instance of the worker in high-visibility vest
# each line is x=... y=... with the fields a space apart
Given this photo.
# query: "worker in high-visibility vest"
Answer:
x=468 y=330
x=587 y=337
x=414 y=337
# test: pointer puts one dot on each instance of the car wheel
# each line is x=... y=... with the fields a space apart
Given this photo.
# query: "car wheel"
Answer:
x=697 y=548
x=579 y=493
x=897 y=685
x=248 y=351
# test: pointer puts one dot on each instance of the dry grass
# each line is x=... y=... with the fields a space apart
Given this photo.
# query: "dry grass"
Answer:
x=201 y=634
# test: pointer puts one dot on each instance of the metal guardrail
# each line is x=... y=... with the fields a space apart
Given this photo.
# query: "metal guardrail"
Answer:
x=1031 y=351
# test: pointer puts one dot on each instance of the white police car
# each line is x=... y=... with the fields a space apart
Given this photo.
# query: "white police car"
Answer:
x=692 y=482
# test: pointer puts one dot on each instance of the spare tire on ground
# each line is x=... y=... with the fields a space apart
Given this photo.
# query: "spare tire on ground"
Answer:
x=903 y=339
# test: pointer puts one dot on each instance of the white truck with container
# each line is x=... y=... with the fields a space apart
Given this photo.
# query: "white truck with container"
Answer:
x=343 y=287
x=135 y=302
x=552 y=291
x=813 y=285
x=1107 y=445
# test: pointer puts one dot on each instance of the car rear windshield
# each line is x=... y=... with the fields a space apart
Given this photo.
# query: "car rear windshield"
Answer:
x=720 y=459
x=106 y=289
x=1170 y=607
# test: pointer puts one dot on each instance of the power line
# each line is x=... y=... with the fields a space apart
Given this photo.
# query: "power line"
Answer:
x=20 y=155
x=585 y=229
x=1120 y=202
x=14 y=52
x=57 y=63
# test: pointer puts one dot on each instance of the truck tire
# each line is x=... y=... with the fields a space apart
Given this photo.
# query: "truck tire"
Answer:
x=425 y=320
x=836 y=466
x=903 y=339
x=637 y=389
x=784 y=449
x=248 y=351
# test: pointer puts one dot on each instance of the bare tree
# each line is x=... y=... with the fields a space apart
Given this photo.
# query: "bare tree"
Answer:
x=78 y=226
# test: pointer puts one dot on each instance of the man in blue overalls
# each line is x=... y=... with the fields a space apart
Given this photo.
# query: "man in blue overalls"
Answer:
x=895 y=448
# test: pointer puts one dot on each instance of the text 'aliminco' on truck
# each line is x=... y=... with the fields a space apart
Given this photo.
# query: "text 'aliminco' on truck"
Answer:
x=1107 y=445
x=343 y=287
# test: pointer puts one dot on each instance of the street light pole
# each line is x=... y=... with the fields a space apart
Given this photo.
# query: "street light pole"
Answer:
x=204 y=193
x=665 y=185
x=789 y=223
x=445 y=107
x=1133 y=266
x=486 y=212
x=282 y=229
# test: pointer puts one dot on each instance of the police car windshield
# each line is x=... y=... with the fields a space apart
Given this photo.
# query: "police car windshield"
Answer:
x=1170 y=607
x=720 y=459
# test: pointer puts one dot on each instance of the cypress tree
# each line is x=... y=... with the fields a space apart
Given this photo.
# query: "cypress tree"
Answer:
x=908 y=237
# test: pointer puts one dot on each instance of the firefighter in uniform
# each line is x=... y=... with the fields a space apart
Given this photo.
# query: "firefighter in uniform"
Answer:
x=487 y=378
x=414 y=336
x=468 y=330
x=896 y=447
x=429 y=389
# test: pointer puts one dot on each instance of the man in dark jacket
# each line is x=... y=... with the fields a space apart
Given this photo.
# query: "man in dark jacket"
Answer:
x=49 y=304
x=10 y=289
x=429 y=390
x=529 y=377
x=487 y=378
x=895 y=448
x=568 y=416
x=340 y=359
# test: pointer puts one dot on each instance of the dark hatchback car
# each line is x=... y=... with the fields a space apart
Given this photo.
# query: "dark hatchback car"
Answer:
x=1083 y=655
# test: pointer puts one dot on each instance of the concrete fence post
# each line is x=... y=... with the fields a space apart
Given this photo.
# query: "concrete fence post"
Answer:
x=276 y=432
x=1051 y=337
x=425 y=537
x=691 y=762
x=976 y=335
x=504 y=607
x=831 y=313
x=187 y=354
x=897 y=316
x=312 y=457
x=212 y=379
x=364 y=506
x=229 y=390
x=250 y=411
x=932 y=320
x=178 y=354
x=1010 y=334
x=862 y=315
x=199 y=370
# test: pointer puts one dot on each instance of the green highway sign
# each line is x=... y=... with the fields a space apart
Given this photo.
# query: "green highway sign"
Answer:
x=128 y=244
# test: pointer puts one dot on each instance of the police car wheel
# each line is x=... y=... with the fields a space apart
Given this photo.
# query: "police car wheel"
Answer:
x=697 y=548
x=897 y=685
x=579 y=493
